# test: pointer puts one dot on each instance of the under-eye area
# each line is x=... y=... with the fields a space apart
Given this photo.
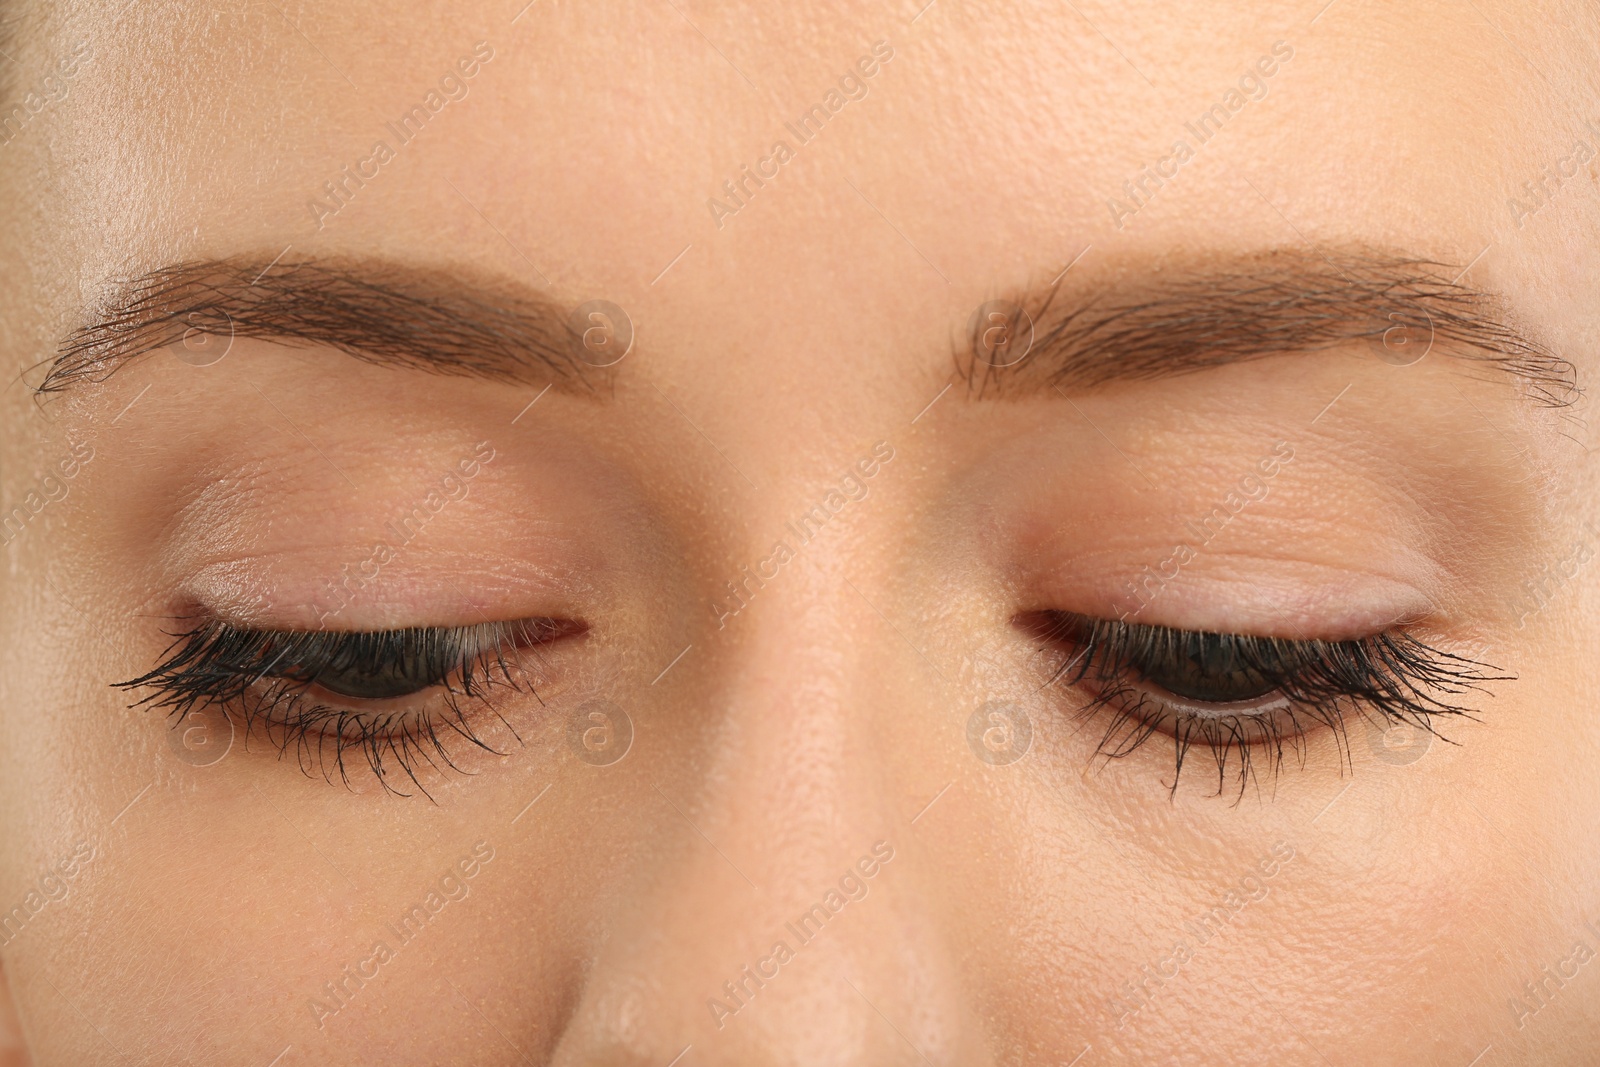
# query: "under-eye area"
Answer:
x=396 y=701
x=1251 y=703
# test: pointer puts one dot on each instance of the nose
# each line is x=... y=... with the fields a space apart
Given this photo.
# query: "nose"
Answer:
x=785 y=916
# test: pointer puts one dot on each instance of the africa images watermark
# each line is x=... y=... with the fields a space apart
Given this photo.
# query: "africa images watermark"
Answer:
x=1252 y=85
x=1541 y=191
x=341 y=189
x=1251 y=488
x=450 y=886
x=52 y=489
x=49 y=91
x=852 y=85
x=1137 y=993
x=853 y=886
x=851 y=487
x=1537 y=592
x=1538 y=994
x=353 y=578
x=51 y=887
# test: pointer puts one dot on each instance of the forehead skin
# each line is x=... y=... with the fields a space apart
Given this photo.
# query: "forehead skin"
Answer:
x=581 y=161
x=592 y=143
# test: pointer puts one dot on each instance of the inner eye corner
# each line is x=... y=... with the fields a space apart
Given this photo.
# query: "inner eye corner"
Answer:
x=547 y=629
x=1051 y=624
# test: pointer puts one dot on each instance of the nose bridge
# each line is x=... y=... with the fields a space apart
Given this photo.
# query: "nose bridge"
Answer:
x=793 y=742
x=783 y=922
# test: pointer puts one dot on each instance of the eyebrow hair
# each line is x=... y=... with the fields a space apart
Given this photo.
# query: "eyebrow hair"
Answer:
x=1148 y=323
x=378 y=312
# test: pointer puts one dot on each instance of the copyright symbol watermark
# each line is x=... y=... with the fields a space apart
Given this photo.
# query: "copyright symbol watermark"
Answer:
x=600 y=733
x=602 y=333
x=206 y=339
x=1398 y=744
x=1405 y=337
x=999 y=733
x=201 y=737
x=1002 y=333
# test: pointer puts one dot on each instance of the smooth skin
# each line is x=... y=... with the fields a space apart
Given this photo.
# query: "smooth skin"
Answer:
x=1378 y=908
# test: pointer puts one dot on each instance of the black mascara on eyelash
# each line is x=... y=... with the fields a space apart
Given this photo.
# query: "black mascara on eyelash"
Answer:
x=267 y=677
x=1387 y=678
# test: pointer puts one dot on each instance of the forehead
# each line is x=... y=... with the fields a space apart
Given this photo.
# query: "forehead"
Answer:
x=877 y=162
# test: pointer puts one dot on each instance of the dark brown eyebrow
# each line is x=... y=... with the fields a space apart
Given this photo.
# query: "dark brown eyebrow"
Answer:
x=383 y=313
x=1147 y=321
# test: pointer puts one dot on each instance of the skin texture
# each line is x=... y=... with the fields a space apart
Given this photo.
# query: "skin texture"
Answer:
x=1382 y=908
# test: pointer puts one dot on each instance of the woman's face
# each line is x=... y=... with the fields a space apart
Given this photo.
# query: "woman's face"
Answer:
x=709 y=534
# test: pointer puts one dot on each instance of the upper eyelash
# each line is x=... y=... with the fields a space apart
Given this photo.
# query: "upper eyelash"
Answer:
x=218 y=664
x=1391 y=677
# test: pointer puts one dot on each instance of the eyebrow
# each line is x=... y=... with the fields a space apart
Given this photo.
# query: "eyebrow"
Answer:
x=1152 y=321
x=378 y=312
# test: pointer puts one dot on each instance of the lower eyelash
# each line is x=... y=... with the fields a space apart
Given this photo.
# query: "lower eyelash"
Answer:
x=1235 y=741
x=1387 y=679
x=405 y=740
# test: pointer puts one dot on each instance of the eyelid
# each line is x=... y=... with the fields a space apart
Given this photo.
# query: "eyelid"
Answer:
x=1243 y=593
x=215 y=661
x=215 y=664
x=420 y=657
x=439 y=584
x=1390 y=677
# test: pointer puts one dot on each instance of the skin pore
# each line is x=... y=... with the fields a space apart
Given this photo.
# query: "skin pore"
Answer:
x=294 y=322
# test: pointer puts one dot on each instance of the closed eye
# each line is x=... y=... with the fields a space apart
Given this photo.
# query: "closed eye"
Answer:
x=1246 y=698
x=395 y=696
